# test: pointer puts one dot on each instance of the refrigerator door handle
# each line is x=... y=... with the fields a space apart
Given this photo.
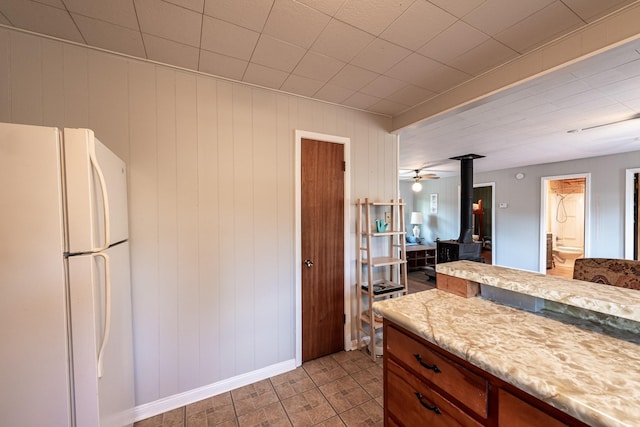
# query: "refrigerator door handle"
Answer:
x=107 y=309
x=105 y=201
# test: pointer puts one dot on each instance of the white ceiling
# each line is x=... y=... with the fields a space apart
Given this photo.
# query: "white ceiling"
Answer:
x=384 y=56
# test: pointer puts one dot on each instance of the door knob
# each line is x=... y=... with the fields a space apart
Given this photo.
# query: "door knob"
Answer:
x=308 y=263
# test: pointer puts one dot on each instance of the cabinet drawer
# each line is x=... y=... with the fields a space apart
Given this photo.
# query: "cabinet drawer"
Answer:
x=515 y=412
x=413 y=403
x=467 y=387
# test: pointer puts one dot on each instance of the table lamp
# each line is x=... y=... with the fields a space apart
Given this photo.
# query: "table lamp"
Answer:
x=416 y=221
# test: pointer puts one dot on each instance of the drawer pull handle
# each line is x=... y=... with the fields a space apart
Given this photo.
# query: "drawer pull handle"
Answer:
x=433 y=408
x=434 y=368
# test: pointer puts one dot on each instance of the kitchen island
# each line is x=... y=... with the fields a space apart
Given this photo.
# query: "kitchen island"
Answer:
x=507 y=361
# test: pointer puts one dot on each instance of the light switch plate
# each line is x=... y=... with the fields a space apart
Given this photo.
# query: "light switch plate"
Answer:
x=387 y=217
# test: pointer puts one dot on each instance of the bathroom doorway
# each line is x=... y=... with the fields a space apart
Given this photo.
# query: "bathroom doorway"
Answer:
x=564 y=221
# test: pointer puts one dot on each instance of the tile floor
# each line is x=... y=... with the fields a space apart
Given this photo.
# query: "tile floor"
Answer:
x=343 y=389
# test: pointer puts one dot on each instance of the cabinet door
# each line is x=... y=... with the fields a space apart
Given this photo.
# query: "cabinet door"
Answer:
x=469 y=388
x=413 y=403
x=515 y=412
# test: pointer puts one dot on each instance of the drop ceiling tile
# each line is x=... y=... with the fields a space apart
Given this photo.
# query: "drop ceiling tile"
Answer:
x=410 y=95
x=264 y=76
x=457 y=8
x=227 y=39
x=318 y=67
x=453 y=42
x=383 y=86
x=419 y=24
x=295 y=23
x=387 y=107
x=341 y=41
x=169 y=21
x=590 y=10
x=41 y=18
x=413 y=69
x=543 y=26
x=354 y=78
x=119 y=12
x=170 y=52
x=494 y=16
x=361 y=100
x=379 y=56
x=109 y=36
x=195 y=5
x=251 y=14
x=489 y=54
x=54 y=3
x=274 y=53
x=333 y=93
x=330 y=7
x=220 y=65
x=301 y=85
x=372 y=16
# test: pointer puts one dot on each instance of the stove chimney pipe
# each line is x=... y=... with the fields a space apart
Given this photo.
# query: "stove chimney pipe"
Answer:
x=466 y=196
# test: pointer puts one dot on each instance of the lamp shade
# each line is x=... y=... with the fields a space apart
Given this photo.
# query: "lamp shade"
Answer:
x=416 y=218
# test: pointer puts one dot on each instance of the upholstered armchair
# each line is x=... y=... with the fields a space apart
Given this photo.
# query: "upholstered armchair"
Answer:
x=616 y=272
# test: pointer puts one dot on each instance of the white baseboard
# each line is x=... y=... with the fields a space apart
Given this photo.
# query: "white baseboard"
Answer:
x=169 y=403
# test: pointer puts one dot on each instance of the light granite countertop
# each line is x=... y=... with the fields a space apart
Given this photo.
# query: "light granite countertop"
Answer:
x=610 y=300
x=591 y=373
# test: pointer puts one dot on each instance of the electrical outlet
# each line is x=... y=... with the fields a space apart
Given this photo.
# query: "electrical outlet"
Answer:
x=387 y=217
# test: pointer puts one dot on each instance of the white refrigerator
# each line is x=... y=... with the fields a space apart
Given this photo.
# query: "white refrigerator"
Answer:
x=66 y=355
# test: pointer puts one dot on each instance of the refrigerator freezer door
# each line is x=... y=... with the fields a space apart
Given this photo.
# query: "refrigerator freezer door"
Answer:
x=100 y=301
x=96 y=184
x=34 y=371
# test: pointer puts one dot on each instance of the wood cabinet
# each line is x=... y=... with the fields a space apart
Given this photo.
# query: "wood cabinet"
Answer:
x=424 y=385
x=420 y=257
x=381 y=263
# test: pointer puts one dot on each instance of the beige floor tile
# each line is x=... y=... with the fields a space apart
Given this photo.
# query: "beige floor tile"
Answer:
x=174 y=418
x=331 y=422
x=344 y=393
x=308 y=408
x=371 y=380
x=368 y=414
x=272 y=415
x=197 y=419
x=353 y=361
x=292 y=383
x=155 y=421
x=324 y=370
x=253 y=396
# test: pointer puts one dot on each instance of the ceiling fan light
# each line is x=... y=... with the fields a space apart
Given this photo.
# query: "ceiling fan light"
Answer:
x=416 y=187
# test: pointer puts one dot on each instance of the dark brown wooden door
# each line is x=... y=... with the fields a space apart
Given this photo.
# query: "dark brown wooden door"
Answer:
x=322 y=222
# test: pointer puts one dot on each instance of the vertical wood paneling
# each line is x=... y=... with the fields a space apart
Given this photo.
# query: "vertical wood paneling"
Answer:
x=211 y=180
x=108 y=101
x=76 y=86
x=227 y=230
x=167 y=233
x=285 y=236
x=5 y=75
x=143 y=219
x=208 y=221
x=265 y=220
x=26 y=79
x=243 y=164
x=52 y=83
x=187 y=200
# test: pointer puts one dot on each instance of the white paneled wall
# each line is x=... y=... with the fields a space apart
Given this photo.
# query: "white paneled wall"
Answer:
x=211 y=180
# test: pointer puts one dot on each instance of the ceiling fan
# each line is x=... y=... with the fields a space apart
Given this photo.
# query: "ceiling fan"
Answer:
x=416 y=187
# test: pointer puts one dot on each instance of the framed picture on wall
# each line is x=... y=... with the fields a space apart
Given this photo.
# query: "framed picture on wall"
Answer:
x=434 y=203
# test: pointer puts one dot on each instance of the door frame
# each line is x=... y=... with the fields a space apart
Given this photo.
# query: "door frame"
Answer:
x=542 y=257
x=493 y=216
x=628 y=212
x=346 y=142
